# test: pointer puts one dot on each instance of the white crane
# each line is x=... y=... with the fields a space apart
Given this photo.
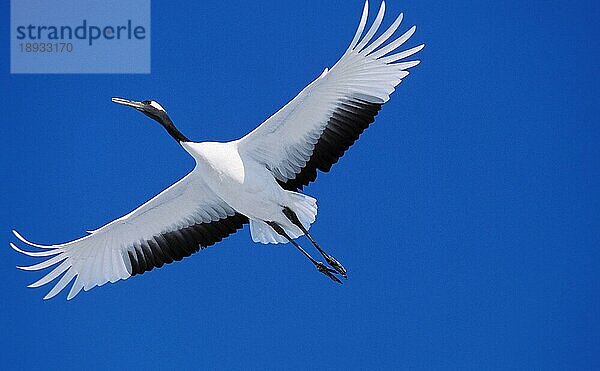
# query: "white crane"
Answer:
x=254 y=179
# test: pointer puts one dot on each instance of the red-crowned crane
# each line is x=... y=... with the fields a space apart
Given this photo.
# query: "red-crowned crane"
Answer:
x=254 y=179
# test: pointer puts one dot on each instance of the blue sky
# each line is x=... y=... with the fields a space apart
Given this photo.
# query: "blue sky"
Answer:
x=467 y=215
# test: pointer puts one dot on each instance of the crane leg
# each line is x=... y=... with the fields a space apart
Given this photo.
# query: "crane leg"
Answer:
x=319 y=265
x=330 y=259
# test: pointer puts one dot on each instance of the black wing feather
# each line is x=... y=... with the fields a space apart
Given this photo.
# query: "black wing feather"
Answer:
x=344 y=127
x=173 y=246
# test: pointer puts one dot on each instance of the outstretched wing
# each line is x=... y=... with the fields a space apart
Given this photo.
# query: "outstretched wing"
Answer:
x=176 y=223
x=315 y=129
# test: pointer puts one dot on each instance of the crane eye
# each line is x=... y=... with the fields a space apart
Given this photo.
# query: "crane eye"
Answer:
x=147 y=102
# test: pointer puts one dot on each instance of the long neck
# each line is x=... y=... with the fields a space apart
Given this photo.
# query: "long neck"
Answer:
x=172 y=130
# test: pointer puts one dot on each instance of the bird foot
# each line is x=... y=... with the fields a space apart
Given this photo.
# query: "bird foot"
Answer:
x=336 y=265
x=327 y=271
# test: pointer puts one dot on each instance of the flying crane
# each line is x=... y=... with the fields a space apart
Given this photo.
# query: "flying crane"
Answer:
x=256 y=179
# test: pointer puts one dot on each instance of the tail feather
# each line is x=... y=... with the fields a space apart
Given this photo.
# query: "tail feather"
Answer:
x=305 y=208
x=261 y=232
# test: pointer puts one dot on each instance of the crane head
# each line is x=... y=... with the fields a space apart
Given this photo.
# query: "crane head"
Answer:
x=149 y=108
x=156 y=112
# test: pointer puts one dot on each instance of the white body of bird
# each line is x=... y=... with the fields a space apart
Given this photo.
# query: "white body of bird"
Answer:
x=250 y=188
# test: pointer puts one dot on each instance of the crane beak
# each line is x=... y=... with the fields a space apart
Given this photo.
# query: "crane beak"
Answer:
x=129 y=103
